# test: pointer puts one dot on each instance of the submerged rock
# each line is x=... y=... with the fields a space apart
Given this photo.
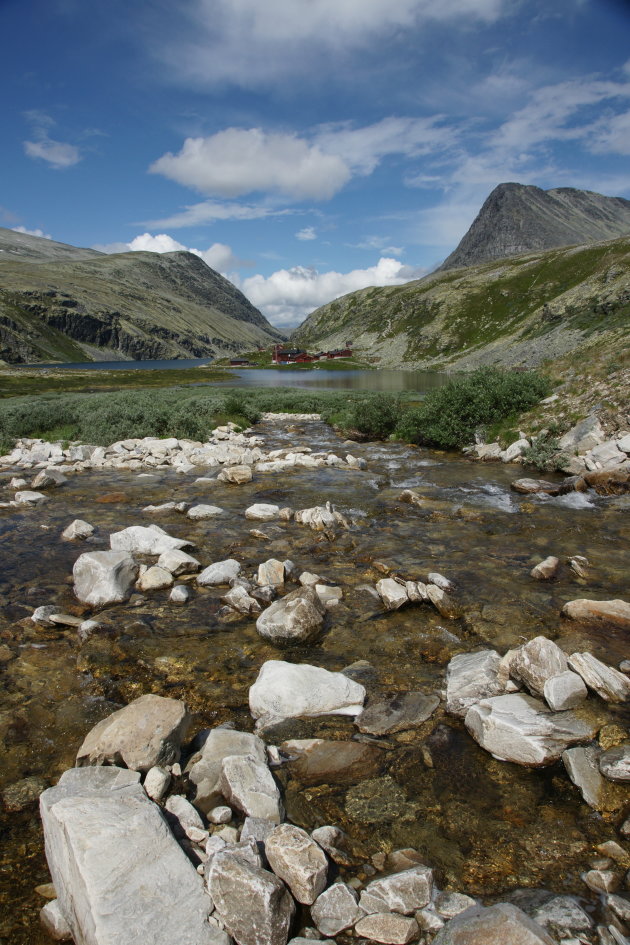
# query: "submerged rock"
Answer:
x=546 y=569
x=616 y=612
x=147 y=732
x=320 y=761
x=523 y=730
x=402 y=711
x=289 y=690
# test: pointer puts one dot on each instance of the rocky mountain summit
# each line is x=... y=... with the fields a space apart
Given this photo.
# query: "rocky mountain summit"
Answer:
x=520 y=218
x=58 y=302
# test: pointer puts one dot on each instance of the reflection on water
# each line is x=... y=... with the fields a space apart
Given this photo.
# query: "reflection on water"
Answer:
x=515 y=827
x=121 y=365
x=383 y=380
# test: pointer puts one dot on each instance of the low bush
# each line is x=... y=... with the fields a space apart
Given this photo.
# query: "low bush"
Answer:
x=545 y=454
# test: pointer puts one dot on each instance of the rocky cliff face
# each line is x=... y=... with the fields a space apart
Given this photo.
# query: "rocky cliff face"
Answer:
x=516 y=312
x=517 y=218
x=58 y=302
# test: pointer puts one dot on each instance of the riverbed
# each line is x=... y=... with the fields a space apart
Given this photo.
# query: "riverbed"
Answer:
x=487 y=827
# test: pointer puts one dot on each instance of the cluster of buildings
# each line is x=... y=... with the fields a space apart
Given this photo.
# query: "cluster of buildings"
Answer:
x=282 y=355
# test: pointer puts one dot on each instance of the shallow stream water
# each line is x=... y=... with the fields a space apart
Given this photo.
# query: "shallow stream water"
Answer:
x=486 y=826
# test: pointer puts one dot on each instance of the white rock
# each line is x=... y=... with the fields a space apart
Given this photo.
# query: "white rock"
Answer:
x=104 y=577
x=220 y=815
x=261 y=512
x=336 y=909
x=514 y=450
x=471 y=677
x=237 y=475
x=329 y=596
x=115 y=863
x=183 y=813
x=289 y=690
x=180 y=594
x=387 y=928
x=178 y=562
x=450 y=904
x=563 y=912
x=154 y=579
x=157 y=782
x=523 y=730
x=501 y=924
x=146 y=540
x=205 y=768
x=201 y=512
x=614 y=764
x=27 y=497
x=393 y=594
x=404 y=892
x=298 y=860
x=607 y=682
x=249 y=786
x=240 y=600
x=546 y=569
x=583 y=436
x=42 y=615
x=582 y=768
x=77 y=530
x=221 y=572
x=270 y=572
x=54 y=922
x=440 y=581
x=297 y=617
x=537 y=661
x=564 y=691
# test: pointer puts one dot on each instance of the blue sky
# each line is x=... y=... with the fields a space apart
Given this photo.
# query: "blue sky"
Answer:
x=304 y=148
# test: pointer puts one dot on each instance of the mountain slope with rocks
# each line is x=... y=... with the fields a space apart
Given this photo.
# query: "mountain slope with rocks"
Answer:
x=61 y=303
x=517 y=312
x=520 y=218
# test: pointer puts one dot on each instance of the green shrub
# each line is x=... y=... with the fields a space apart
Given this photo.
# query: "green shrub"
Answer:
x=545 y=454
x=450 y=415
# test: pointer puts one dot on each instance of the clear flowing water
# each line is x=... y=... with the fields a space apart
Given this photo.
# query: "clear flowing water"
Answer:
x=486 y=826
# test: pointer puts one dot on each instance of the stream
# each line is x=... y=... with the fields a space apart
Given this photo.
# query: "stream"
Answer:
x=485 y=826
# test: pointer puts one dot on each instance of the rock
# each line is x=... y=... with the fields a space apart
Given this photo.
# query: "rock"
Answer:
x=546 y=569
x=471 y=677
x=157 y=782
x=321 y=517
x=42 y=615
x=387 y=927
x=86 y=628
x=393 y=594
x=320 y=761
x=178 y=562
x=256 y=829
x=450 y=904
x=270 y=572
x=523 y=730
x=180 y=594
x=536 y=662
x=253 y=904
x=77 y=530
x=165 y=507
x=104 y=577
x=115 y=864
x=328 y=596
x=336 y=909
x=615 y=481
x=201 y=512
x=564 y=691
x=54 y=922
x=428 y=920
x=416 y=591
x=488 y=451
x=298 y=860
x=620 y=906
x=237 y=475
x=22 y=794
x=502 y=923
x=289 y=690
x=182 y=816
x=154 y=579
x=149 y=540
x=404 y=892
x=583 y=436
x=220 y=815
x=402 y=711
x=205 y=768
x=444 y=604
x=440 y=581
x=582 y=768
x=147 y=732
x=248 y=785
x=240 y=600
x=579 y=565
x=261 y=512
x=601 y=881
x=562 y=915
x=48 y=479
x=28 y=497
x=616 y=612
x=298 y=617
x=607 y=682
x=614 y=764
x=221 y=572
x=607 y=454
x=515 y=450
x=532 y=486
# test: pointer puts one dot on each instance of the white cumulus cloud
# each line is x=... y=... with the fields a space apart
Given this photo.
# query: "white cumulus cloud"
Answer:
x=56 y=153
x=288 y=295
x=36 y=232
x=219 y=256
x=239 y=161
x=307 y=233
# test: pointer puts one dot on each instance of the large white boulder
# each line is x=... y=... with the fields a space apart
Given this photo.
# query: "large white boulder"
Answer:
x=262 y=512
x=119 y=873
x=145 y=540
x=521 y=729
x=289 y=690
x=607 y=682
x=221 y=572
x=147 y=732
x=471 y=677
x=104 y=577
x=247 y=784
x=206 y=767
x=537 y=661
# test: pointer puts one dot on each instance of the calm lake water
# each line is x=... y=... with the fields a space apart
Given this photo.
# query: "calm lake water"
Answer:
x=385 y=380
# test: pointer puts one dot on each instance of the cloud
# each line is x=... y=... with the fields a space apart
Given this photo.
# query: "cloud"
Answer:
x=219 y=256
x=209 y=211
x=58 y=154
x=286 y=39
x=381 y=243
x=38 y=232
x=236 y=161
x=288 y=295
x=307 y=233
x=612 y=135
